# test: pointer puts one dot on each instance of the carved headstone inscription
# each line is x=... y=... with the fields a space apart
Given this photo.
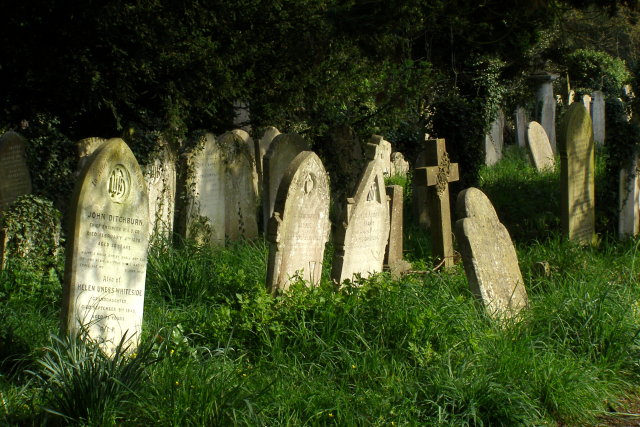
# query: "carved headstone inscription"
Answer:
x=489 y=258
x=539 y=147
x=160 y=176
x=362 y=237
x=494 y=141
x=15 y=180
x=106 y=257
x=299 y=227
x=598 y=117
x=577 y=161
x=283 y=149
x=240 y=191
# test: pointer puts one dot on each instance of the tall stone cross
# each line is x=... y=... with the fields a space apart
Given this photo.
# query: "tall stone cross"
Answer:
x=436 y=177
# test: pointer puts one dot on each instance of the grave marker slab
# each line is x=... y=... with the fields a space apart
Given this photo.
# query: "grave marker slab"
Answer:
x=393 y=258
x=399 y=166
x=436 y=177
x=283 y=149
x=362 y=237
x=299 y=227
x=577 y=162
x=160 y=177
x=629 y=200
x=15 y=179
x=546 y=105
x=539 y=147
x=522 y=119
x=598 y=117
x=106 y=256
x=489 y=257
x=494 y=141
x=263 y=146
x=420 y=203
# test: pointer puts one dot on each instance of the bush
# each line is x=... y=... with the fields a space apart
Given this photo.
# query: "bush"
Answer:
x=596 y=70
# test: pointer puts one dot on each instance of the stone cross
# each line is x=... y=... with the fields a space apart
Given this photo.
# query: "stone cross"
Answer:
x=436 y=177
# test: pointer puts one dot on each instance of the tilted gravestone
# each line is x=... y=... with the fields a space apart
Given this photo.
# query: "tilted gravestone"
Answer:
x=241 y=191
x=283 y=149
x=15 y=179
x=384 y=153
x=598 y=117
x=299 y=227
x=539 y=147
x=494 y=141
x=106 y=256
x=362 y=236
x=577 y=163
x=489 y=257
x=393 y=257
x=160 y=177
x=436 y=177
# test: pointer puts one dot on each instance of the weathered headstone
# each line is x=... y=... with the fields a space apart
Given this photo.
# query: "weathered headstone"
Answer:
x=384 y=153
x=262 y=147
x=299 y=227
x=629 y=200
x=399 y=166
x=160 y=177
x=241 y=193
x=361 y=239
x=419 y=194
x=586 y=101
x=283 y=149
x=489 y=257
x=522 y=119
x=597 y=117
x=546 y=105
x=15 y=179
x=577 y=171
x=242 y=141
x=539 y=147
x=494 y=141
x=106 y=256
x=393 y=258
x=436 y=177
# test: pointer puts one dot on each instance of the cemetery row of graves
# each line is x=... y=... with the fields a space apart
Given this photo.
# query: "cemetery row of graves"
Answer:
x=265 y=206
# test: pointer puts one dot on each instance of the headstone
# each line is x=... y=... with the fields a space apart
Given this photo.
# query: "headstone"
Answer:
x=522 y=119
x=299 y=227
x=15 y=180
x=240 y=190
x=399 y=166
x=546 y=105
x=577 y=171
x=106 y=256
x=572 y=97
x=436 y=177
x=362 y=236
x=489 y=257
x=384 y=153
x=160 y=177
x=393 y=258
x=419 y=194
x=597 y=117
x=262 y=147
x=243 y=142
x=629 y=200
x=203 y=211
x=539 y=147
x=586 y=101
x=494 y=141
x=283 y=149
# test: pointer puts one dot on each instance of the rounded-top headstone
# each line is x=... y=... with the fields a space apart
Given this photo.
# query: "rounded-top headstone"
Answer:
x=106 y=256
x=473 y=203
x=15 y=180
x=539 y=147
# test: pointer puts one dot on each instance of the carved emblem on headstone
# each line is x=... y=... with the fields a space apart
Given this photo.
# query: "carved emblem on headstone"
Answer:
x=119 y=184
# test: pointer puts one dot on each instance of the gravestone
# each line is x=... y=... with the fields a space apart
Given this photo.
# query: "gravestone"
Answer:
x=546 y=105
x=419 y=199
x=160 y=177
x=202 y=215
x=522 y=119
x=494 y=141
x=597 y=117
x=243 y=141
x=240 y=187
x=384 y=153
x=539 y=147
x=393 y=260
x=629 y=200
x=436 y=176
x=362 y=236
x=489 y=257
x=15 y=180
x=283 y=149
x=586 y=101
x=571 y=97
x=299 y=227
x=106 y=256
x=262 y=147
x=577 y=169
x=399 y=166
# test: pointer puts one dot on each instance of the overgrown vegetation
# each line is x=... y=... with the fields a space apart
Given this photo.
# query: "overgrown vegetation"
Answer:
x=217 y=349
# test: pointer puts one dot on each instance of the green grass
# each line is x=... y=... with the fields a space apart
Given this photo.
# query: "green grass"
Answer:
x=218 y=350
